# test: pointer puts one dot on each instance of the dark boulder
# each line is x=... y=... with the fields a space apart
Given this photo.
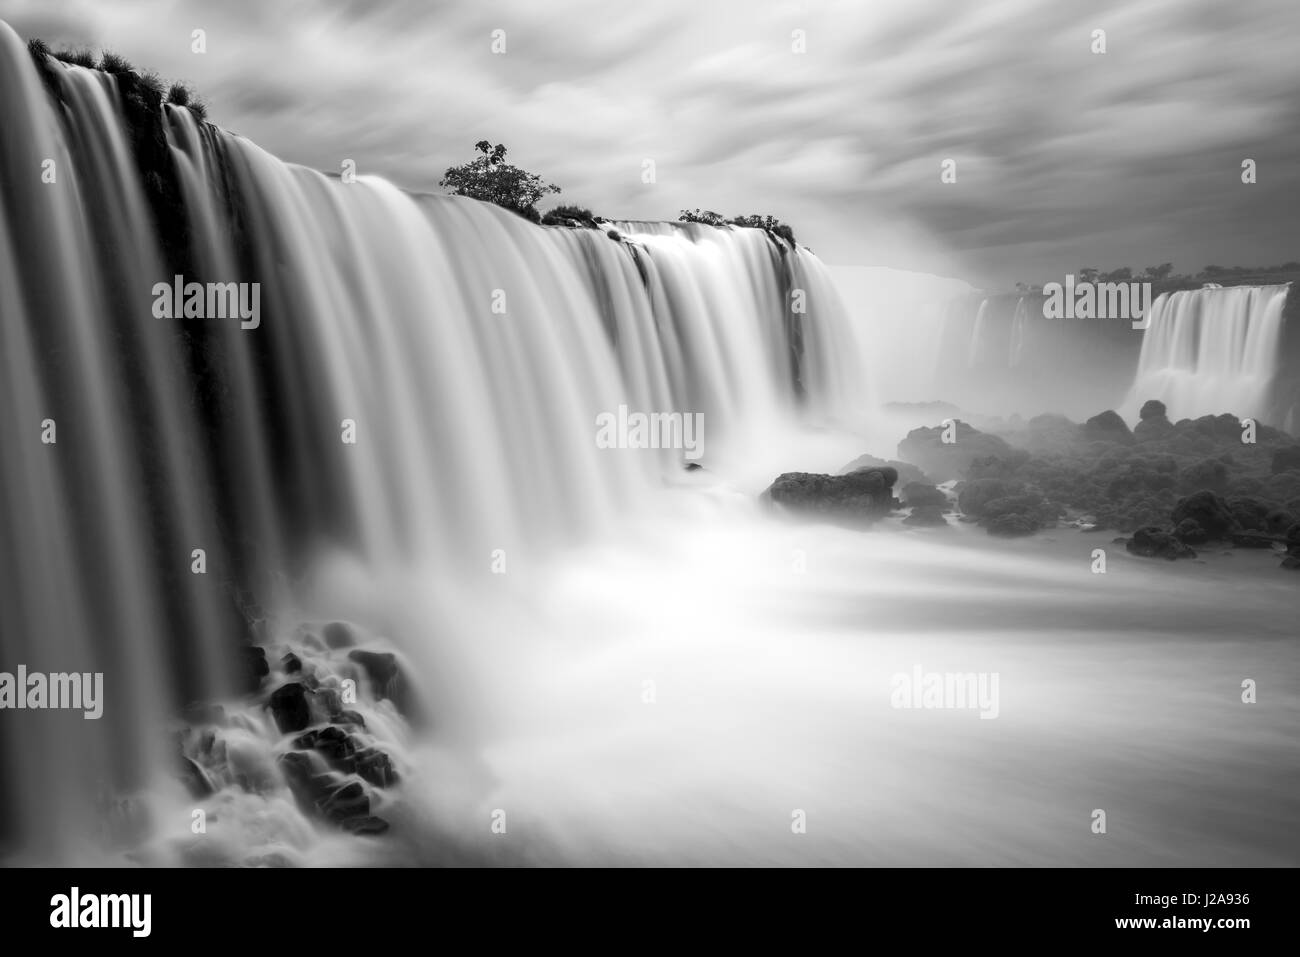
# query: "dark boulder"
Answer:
x=907 y=473
x=291 y=663
x=290 y=708
x=387 y=679
x=1152 y=542
x=1153 y=429
x=921 y=495
x=1107 y=427
x=1152 y=409
x=859 y=496
x=926 y=516
x=339 y=634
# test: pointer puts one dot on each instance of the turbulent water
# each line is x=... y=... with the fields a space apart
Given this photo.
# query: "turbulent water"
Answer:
x=625 y=658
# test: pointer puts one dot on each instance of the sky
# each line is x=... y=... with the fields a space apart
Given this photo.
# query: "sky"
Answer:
x=1064 y=157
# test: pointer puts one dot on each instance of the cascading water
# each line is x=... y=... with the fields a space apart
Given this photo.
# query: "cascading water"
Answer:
x=1210 y=351
x=469 y=352
x=622 y=658
x=1019 y=332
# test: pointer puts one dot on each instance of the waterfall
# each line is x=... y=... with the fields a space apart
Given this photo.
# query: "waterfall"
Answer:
x=422 y=386
x=979 y=335
x=1213 y=350
x=1019 y=331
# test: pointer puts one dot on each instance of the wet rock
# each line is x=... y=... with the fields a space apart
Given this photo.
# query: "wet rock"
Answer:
x=1153 y=429
x=1189 y=532
x=348 y=801
x=1107 y=426
x=906 y=473
x=369 y=826
x=1153 y=409
x=1152 y=542
x=195 y=778
x=339 y=634
x=346 y=717
x=926 y=516
x=327 y=795
x=923 y=495
x=863 y=495
x=289 y=706
x=348 y=753
x=291 y=663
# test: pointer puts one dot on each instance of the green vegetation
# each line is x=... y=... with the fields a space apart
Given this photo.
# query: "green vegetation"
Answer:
x=490 y=178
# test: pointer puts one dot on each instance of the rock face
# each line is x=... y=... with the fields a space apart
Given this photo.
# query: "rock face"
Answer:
x=1153 y=428
x=944 y=461
x=926 y=516
x=335 y=768
x=289 y=707
x=1153 y=409
x=386 y=678
x=860 y=496
x=907 y=473
x=923 y=495
x=1107 y=427
x=1209 y=511
x=1152 y=542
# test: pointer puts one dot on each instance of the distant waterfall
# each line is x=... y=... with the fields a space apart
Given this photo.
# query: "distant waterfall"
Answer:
x=1209 y=351
x=468 y=351
x=979 y=336
x=1019 y=333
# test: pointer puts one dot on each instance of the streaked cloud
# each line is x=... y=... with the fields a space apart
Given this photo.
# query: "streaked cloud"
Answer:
x=1065 y=158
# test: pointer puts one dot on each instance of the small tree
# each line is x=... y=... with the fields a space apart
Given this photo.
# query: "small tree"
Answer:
x=1161 y=272
x=490 y=178
x=706 y=216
